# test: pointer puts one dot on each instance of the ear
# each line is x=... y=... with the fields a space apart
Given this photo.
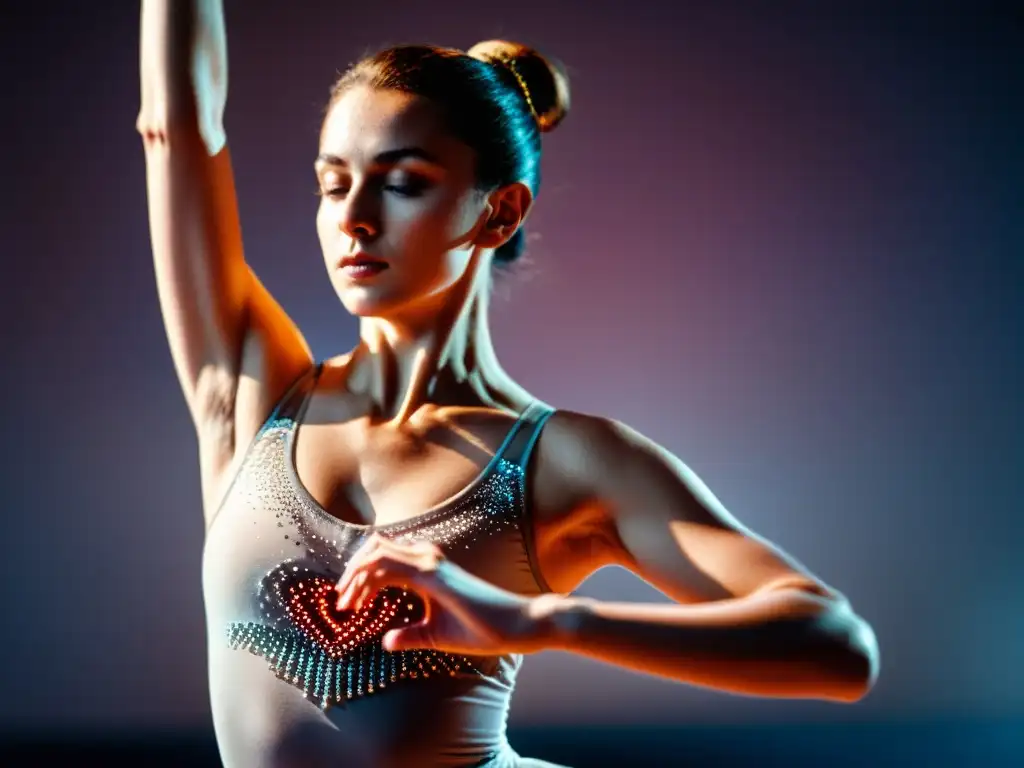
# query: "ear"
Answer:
x=507 y=208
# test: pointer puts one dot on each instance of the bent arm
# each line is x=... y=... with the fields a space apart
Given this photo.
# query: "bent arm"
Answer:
x=218 y=318
x=748 y=619
x=787 y=642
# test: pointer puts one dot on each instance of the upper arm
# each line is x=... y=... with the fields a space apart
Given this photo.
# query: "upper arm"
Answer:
x=234 y=349
x=660 y=521
x=203 y=282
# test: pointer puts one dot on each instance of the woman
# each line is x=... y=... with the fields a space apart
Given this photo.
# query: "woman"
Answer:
x=391 y=530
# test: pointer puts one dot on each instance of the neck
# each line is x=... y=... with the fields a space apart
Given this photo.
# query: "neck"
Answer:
x=441 y=354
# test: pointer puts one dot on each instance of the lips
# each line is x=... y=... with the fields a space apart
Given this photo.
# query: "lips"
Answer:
x=362 y=261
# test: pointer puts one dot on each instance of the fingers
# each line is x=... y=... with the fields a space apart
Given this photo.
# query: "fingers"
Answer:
x=351 y=577
x=380 y=563
x=387 y=573
x=407 y=638
x=348 y=589
x=366 y=551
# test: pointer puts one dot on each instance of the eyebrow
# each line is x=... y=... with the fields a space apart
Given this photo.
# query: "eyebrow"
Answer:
x=388 y=157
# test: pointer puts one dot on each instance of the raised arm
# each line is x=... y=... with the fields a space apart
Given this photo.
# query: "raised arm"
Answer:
x=233 y=347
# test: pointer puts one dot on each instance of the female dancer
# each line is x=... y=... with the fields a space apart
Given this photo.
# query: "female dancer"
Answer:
x=390 y=531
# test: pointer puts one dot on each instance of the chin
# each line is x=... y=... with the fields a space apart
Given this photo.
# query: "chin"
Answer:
x=382 y=301
x=362 y=303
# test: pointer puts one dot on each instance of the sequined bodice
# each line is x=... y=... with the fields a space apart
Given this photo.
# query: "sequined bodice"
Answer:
x=273 y=556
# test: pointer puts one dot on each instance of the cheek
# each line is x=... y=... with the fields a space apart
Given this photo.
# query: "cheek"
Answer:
x=444 y=220
x=434 y=252
x=421 y=227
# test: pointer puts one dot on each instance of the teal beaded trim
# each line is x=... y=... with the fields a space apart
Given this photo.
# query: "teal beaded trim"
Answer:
x=334 y=679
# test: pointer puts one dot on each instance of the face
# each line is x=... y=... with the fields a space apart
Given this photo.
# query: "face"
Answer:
x=400 y=216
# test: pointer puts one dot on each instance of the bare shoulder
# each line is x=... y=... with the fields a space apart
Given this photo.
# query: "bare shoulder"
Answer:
x=580 y=450
x=603 y=463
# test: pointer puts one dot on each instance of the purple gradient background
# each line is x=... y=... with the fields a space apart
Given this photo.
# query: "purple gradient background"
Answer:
x=784 y=243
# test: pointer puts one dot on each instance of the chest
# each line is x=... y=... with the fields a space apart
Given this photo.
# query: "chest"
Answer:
x=369 y=475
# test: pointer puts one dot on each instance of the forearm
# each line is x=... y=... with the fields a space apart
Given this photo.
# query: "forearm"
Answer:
x=183 y=68
x=783 y=643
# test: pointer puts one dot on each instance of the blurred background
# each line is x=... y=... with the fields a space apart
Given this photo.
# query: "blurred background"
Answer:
x=782 y=239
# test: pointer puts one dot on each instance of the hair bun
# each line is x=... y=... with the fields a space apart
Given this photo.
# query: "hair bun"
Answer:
x=544 y=82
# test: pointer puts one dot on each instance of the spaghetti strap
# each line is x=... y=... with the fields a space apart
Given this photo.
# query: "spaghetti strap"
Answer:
x=296 y=395
x=518 y=453
x=519 y=444
x=513 y=433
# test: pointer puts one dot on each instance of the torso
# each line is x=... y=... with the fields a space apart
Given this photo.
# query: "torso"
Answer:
x=315 y=482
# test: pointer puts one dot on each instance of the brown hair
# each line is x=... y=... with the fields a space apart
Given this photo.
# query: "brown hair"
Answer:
x=498 y=98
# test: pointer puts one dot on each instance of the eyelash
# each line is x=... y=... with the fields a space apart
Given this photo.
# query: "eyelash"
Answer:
x=411 y=189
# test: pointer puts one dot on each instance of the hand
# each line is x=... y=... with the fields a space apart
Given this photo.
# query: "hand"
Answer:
x=464 y=614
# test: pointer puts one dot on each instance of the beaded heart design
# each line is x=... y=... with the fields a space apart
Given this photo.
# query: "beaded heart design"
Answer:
x=309 y=599
x=336 y=656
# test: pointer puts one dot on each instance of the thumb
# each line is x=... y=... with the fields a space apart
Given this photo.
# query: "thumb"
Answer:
x=408 y=638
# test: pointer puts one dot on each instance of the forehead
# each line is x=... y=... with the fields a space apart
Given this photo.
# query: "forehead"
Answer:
x=365 y=121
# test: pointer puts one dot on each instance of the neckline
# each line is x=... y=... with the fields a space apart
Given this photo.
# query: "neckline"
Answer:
x=431 y=513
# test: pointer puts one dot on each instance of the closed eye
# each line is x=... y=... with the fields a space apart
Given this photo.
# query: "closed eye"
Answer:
x=333 y=192
x=408 y=188
x=402 y=185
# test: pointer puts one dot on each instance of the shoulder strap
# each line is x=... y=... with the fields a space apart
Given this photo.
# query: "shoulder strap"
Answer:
x=520 y=441
x=516 y=450
x=296 y=396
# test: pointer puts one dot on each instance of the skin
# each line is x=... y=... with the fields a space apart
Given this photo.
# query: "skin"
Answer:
x=423 y=320
x=746 y=617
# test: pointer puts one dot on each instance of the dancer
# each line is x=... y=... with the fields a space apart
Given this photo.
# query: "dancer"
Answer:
x=390 y=531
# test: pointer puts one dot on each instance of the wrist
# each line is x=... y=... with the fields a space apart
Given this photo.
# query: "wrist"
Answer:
x=555 y=620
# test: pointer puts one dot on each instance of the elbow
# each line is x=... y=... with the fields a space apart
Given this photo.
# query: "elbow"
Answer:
x=159 y=122
x=163 y=127
x=857 y=677
x=855 y=665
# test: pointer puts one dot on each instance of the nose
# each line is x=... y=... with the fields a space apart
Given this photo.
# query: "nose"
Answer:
x=360 y=217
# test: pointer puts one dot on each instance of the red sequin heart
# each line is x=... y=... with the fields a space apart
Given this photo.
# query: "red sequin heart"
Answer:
x=309 y=601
